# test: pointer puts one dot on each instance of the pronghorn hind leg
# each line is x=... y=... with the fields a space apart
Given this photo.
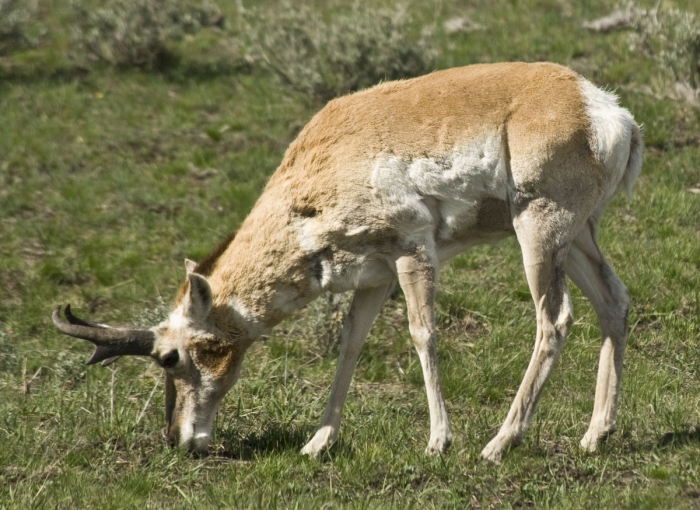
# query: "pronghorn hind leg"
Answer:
x=589 y=270
x=417 y=277
x=365 y=306
x=544 y=252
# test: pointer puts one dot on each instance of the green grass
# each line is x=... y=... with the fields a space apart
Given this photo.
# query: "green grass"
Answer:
x=109 y=179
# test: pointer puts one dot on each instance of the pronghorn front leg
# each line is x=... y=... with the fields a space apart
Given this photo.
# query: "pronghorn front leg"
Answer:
x=417 y=277
x=365 y=306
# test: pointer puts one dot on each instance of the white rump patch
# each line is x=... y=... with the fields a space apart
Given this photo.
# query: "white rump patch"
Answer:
x=612 y=130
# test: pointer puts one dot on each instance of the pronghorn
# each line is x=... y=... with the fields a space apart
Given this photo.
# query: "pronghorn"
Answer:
x=385 y=185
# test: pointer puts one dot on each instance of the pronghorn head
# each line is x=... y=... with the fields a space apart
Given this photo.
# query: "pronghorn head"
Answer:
x=201 y=362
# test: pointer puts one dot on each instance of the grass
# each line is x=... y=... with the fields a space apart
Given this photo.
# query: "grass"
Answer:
x=109 y=179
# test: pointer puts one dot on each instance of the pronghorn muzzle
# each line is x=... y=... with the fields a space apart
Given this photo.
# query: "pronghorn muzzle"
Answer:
x=110 y=342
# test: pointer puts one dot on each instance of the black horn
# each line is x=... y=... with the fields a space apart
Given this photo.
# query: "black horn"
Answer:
x=110 y=342
x=80 y=322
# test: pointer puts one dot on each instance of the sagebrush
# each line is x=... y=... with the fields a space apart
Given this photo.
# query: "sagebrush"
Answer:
x=329 y=58
x=673 y=37
x=14 y=17
x=137 y=33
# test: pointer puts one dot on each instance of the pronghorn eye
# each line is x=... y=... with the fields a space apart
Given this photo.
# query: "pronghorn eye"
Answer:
x=170 y=359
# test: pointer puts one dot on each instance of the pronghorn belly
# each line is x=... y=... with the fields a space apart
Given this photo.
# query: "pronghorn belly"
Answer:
x=346 y=272
x=493 y=224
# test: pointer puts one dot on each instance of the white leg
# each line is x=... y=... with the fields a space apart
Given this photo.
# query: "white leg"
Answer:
x=547 y=281
x=417 y=277
x=365 y=307
x=589 y=270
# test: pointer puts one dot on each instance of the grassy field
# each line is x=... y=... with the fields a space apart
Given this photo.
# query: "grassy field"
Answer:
x=110 y=178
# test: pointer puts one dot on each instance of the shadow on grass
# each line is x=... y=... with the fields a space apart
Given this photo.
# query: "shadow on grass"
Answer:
x=175 y=69
x=274 y=437
x=188 y=70
x=669 y=439
x=26 y=74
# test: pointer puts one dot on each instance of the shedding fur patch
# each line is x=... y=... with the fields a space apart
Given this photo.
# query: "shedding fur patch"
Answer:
x=443 y=190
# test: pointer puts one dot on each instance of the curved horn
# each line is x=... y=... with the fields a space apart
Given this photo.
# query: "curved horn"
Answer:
x=80 y=322
x=75 y=320
x=110 y=342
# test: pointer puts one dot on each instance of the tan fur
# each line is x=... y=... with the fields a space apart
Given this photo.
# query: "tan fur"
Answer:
x=326 y=169
x=383 y=186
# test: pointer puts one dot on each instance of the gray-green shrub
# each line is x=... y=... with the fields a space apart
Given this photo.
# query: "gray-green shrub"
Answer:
x=137 y=33
x=14 y=16
x=672 y=36
x=351 y=51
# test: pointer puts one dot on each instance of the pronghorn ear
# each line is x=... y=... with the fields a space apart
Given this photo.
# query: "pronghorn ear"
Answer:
x=190 y=265
x=198 y=299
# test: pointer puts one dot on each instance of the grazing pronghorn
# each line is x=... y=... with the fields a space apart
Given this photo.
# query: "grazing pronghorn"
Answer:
x=385 y=185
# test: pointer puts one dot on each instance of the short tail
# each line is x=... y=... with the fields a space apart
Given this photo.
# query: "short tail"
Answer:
x=634 y=162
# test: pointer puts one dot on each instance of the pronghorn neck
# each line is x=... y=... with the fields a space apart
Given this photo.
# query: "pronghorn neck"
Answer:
x=263 y=275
